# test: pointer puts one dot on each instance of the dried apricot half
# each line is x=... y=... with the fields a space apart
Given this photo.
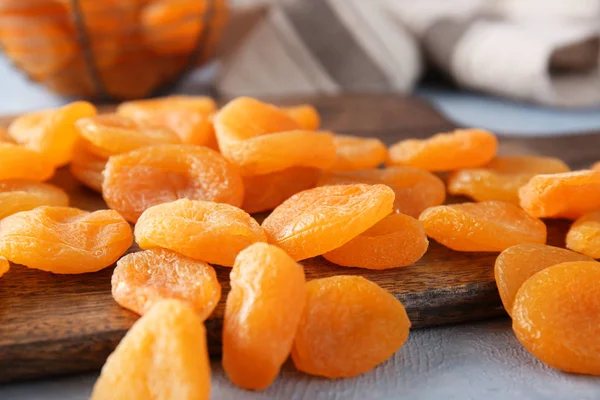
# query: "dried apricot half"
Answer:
x=357 y=153
x=64 y=240
x=463 y=148
x=207 y=231
x=263 y=308
x=348 y=327
x=565 y=195
x=518 y=263
x=486 y=226
x=143 y=278
x=18 y=162
x=305 y=115
x=415 y=188
x=163 y=356
x=556 y=316
x=319 y=220
x=261 y=138
x=51 y=132
x=584 y=235
x=159 y=174
x=397 y=240
x=20 y=195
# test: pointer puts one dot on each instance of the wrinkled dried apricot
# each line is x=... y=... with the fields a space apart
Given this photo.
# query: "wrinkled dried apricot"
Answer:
x=20 y=195
x=527 y=164
x=18 y=162
x=262 y=312
x=112 y=134
x=159 y=174
x=518 y=263
x=397 y=240
x=143 y=278
x=348 y=327
x=415 y=189
x=64 y=240
x=207 y=231
x=463 y=148
x=319 y=220
x=556 y=316
x=51 y=132
x=87 y=167
x=566 y=195
x=187 y=116
x=163 y=356
x=486 y=226
x=584 y=235
x=4 y=266
x=265 y=192
x=261 y=138
x=354 y=153
x=305 y=115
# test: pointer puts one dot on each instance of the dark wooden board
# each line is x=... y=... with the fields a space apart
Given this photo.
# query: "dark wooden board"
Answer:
x=59 y=324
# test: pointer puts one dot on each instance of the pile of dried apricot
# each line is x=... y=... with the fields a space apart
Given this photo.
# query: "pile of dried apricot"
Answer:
x=189 y=176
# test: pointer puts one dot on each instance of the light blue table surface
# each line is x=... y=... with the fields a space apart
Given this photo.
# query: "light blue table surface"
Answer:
x=470 y=361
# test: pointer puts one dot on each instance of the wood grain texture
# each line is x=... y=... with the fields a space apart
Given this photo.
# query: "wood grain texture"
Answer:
x=60 y=324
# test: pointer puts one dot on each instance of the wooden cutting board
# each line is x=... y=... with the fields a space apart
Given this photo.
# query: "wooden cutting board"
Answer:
x=59 y=324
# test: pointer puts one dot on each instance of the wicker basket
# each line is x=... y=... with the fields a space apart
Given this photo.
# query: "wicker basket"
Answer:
x=110 y=49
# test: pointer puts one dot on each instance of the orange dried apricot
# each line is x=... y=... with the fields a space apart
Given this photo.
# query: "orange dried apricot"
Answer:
x=261 y=138
x=163 y=356
x=4 y=266
x=584 y=235
x=305 y=115
x=518 y=263
x=463 y=148
x=397 y=240
x=51 y=132
x=348 y=327
x=565 y=195
x=265 y=192
x=207 y=231
x=188 y=116
x=263 y=308
x=64 y=240
x=556 y=316
x=111 y=134
x=354 y=153
x=415 y=189
x=158 y=174
x=485 y=226
x=144 y=278
x=527 y=164
x=87 y=167
x=319 y=220
x=20 y=195
x=18 y=162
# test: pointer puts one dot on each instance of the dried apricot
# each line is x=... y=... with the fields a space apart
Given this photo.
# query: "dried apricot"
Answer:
x=415 y=189
x=87 y=167
x=348 y=327
x=354 y=153
x=566 y=195
x=518 y=263
x=207 y=231
x=188 y=116
x=263 y=308
x=112 y=134
x=19 y=195
x=305 y=115
x=397 y=240
x=64 y=240
x=584 y=235
x=261 y=138
x=463 y=148
x=265 y=192
x=143 y=278
x=51 y=132
x=159 y=174
x=4 y=266
x=319 y=220
x=163 y=356
x=486 y=226
x=527 y=164
x=556 y=316
x=18 y=162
